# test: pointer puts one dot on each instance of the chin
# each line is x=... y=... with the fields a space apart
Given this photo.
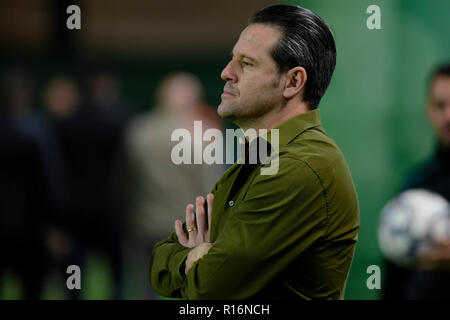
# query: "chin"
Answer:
x=225 y=111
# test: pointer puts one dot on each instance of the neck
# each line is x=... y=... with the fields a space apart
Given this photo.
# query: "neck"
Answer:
x=273 y=118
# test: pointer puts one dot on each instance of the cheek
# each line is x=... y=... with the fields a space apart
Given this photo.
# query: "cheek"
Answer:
x=437 y=118
x=258 y=85
x=434 y=115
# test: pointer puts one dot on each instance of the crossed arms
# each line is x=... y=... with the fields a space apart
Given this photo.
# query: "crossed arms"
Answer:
x=279 y=218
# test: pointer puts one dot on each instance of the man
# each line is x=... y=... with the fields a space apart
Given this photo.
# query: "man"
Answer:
x=291 y=234
x=431 y=280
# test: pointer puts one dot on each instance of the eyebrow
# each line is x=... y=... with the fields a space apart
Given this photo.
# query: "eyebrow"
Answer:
x=243 y=56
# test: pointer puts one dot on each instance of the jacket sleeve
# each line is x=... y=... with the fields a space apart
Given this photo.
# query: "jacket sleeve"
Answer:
x=279 y=218
x=165 y=276
x=167 y=259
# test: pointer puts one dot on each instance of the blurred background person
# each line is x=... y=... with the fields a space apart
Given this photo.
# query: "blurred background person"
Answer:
x=89 y=139
x=157 y=190
x=30 y=192
x=105 y=92
x=431 y=279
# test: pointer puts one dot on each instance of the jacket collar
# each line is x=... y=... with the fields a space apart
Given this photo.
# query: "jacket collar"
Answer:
x=288 y=131
x=294 y=126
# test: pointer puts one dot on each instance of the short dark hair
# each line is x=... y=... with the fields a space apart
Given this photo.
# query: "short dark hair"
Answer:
x=306 y=41
x=439 y=71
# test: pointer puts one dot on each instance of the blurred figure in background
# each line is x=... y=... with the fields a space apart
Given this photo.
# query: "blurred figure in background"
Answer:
x=61 y=98
x=89 y=138
x=156 y=189
x=30 y=189
x=104 y=92
x=432 y=279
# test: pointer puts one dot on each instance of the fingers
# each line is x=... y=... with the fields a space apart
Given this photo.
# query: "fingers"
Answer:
x=197 y=224
x=200 y=215
x=190 y=222
x=210 y=200
x=182 y=237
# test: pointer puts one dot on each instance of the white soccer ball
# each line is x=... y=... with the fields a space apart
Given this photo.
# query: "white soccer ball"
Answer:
x=411 y=223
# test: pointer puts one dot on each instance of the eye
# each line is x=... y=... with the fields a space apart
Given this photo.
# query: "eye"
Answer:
x=245 y=63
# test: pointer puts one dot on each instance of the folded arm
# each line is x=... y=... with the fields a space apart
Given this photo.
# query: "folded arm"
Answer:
x=278 y=219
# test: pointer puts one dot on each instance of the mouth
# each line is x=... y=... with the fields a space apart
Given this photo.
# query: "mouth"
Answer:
x=227 y=93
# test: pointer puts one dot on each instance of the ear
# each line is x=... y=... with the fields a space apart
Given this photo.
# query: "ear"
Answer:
x=295 y=82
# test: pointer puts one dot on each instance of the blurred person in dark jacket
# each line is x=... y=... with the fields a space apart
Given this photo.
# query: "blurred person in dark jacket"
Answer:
x=31 y=186
x=89 y=139
x=431 y=279
x=105 y=92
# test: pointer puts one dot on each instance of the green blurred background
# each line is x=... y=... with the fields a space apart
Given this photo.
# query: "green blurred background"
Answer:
x=374 y=108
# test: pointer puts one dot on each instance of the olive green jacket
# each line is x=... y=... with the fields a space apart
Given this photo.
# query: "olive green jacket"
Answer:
x=281 y=236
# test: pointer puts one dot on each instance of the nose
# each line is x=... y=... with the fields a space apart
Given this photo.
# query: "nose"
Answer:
x=228 y=73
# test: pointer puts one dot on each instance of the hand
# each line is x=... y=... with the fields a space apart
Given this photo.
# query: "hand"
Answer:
x=437 y=257
x=195 y=254
x=198 y=229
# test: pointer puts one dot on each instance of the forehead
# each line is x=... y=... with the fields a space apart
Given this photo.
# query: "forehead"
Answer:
x=441 y=85
x=257 y=40
x=440 y=88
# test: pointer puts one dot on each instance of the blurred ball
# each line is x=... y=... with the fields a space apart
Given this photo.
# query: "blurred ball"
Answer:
x=411 y=223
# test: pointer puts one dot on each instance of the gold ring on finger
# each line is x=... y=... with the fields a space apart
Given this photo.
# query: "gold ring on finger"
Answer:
x=191 y=229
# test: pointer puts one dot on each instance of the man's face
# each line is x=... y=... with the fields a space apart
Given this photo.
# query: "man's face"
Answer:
x=252 y=80
x=439 y=108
